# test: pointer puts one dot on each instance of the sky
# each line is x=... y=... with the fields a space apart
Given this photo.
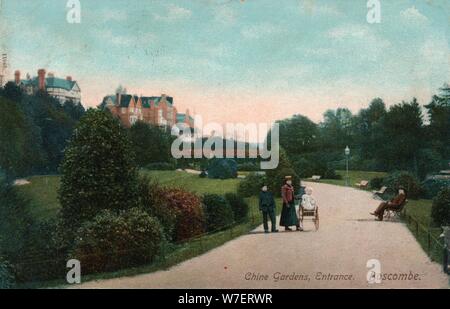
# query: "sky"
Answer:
x=237 y=60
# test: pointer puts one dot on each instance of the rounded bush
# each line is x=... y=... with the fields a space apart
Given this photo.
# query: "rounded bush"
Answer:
x=251 y=185
x=152 y=200
x=433 y=185
x=187 y=207
x=376 y=183
x=222 y=169
x=440 y=211
x=110 y=241
x=238 y=206
x=405 y=179
x=6 y=275
x=179 y=211
x=218 y=212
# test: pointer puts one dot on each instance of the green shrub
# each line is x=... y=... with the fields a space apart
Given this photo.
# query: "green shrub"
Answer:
x=15 y=222
x=251 y=185
x=433 y=185
x=7 y=280
x=405 y=179
x=238 y=206
x=160 y=166
x=276 y=177
x=189 y=216
x=45 y=255
x=331 y=174
x=222 y=169
x=98 y=172
x=111 y=241
x=376 y=183
x=218 y=212
x=249 y=167
x=440 y=211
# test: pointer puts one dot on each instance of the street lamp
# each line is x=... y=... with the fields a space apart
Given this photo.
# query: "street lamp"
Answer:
x=347 y=154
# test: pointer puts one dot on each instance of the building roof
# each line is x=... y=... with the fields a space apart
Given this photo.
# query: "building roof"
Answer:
x=51 y=82
x=125 y=100
x=54 y=82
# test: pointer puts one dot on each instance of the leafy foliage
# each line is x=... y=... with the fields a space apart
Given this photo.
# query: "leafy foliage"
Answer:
x=406 y=180
x=7 y=279
x=440 y=211
x=112 y=241
x=222 y=169
x=275 y=178
x=218 y=212
x=151 y=144
x=251 y=185
x=98 y=171
x=432 y=186
x=239 y=207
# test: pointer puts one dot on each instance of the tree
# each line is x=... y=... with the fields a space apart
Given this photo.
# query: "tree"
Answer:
x=275 y=177
x=438 y=132
x=298 y=134
x=401 y=137
x=98 y=171
x=151 y=144
x=12 y=91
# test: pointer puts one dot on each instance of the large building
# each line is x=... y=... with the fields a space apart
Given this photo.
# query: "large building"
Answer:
x=60 y=88
x=158 y=111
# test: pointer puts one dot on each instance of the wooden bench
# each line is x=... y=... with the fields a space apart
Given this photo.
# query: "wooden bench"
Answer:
x=363 y=184
x=380 y=192
x=316 y=178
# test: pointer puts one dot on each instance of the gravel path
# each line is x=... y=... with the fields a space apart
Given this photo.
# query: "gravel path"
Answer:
x=334 y=257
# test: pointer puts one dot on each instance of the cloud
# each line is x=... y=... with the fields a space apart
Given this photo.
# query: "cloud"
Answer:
x=260 y=30
x=107 y=35
x=309 y=7
x=348 y=31
x=413 y=15
x=113 y=15
x=175 y=12
x=225 y=15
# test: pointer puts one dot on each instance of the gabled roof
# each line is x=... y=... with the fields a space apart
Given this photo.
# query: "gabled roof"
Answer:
x=125 y=100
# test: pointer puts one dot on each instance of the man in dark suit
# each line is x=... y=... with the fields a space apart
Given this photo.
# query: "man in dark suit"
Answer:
x=267 y=207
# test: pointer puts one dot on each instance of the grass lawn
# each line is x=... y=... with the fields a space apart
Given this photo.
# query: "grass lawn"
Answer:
x=353 y=177
x=42 y=193
x=417 y=217
x=192 y=182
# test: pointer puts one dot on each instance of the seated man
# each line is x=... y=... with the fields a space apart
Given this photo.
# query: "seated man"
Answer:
x=395 y=203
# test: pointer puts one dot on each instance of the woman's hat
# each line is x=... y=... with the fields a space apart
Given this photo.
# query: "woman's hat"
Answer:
x=288 y=177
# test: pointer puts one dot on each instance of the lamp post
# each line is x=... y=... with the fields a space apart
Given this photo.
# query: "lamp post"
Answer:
x=347 y=154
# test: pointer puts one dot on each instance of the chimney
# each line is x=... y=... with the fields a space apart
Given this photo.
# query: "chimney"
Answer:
x=17 y=77
x=51 y=75
x=41 y=77
x=118 y=97
x=69 y=78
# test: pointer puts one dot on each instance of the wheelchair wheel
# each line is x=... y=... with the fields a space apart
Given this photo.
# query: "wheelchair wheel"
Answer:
x=316 y=220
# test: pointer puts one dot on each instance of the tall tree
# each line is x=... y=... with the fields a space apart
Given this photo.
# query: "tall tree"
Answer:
x=98 y=171
x=403 y=136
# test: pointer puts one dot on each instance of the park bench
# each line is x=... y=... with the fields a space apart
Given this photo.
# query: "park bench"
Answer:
x=316 y=178
x=363 y=184
x=395 y=212
x=380 y=192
